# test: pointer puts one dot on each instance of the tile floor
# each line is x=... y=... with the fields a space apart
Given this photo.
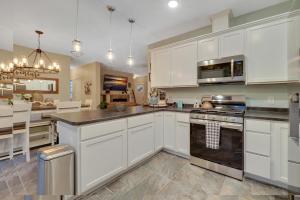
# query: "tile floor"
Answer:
x=165 y=176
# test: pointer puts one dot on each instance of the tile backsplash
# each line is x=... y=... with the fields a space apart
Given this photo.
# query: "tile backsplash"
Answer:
x=275 y=95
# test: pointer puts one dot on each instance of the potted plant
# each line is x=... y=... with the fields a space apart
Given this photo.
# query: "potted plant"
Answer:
x=103 y=105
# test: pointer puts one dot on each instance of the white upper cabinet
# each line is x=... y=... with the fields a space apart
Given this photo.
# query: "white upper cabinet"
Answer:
x=232 y=44
x=267 y=53
x=161 y=68
x=208 y=49
x=184 y=65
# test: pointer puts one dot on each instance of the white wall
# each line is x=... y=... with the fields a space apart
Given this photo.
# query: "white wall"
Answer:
x=256 y=95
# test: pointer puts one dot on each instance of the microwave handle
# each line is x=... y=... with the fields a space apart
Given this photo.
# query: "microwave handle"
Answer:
x=232 y=68
x=222 y=124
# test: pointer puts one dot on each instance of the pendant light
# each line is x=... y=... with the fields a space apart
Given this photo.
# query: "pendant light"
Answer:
x=130 y=60
x=173 y=3
x=76 y=44
x=110 y=54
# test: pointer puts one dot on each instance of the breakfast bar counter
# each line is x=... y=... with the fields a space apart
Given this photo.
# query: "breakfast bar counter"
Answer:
x=108 y=143
x=88 y=117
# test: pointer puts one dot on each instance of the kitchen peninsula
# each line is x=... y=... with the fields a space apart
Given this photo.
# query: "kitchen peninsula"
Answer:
x=107 y=143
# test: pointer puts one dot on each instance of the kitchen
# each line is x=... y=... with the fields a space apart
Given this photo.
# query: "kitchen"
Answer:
x=213 y=113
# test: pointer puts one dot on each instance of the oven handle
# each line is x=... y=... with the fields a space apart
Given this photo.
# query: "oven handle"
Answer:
x=222 y=124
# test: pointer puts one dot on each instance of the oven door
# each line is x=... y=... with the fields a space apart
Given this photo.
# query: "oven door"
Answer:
x=229 y=154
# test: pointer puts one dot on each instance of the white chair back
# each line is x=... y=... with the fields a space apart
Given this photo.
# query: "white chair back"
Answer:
x=6 y=129
x=68 y=106
x=6 y=116
x=21 y=112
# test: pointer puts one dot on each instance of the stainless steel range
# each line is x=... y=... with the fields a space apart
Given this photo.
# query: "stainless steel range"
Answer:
x=228 y=113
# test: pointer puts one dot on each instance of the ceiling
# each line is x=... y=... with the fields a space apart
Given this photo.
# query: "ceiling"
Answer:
x=154 y=22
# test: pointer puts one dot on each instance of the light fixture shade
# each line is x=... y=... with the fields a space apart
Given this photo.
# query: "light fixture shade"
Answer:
x=76 y=48
x=130 y=61
x=110 y=54
x=173 y=3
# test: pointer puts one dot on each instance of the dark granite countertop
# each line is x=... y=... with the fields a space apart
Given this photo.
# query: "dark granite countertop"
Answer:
x=88 y=117
x=276 y=114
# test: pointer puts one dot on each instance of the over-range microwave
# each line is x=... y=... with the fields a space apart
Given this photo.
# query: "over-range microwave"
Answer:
x=224 y=70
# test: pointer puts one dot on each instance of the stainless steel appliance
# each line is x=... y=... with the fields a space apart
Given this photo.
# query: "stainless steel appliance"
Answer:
x=228 y=158
x=294 y=146
x=230 y=69
x=56 y=170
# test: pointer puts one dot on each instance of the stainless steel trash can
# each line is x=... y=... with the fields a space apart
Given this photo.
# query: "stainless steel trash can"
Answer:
x=56 y=170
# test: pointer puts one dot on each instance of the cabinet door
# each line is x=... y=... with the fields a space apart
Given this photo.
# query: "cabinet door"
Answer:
x=232 y=44
x=169 y=131
x=208 y=49
x=184 y=65
x=279 y=159
x=159 y=130
x=183 y=138
x=161 y=68
x=266 y=53
x=102 y=158
x=294 y=48
x=140 y=143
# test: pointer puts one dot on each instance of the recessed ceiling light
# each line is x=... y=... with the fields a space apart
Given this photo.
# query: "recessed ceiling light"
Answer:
x=173 y=3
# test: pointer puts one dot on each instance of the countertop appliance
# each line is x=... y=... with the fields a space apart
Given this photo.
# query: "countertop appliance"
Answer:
x=228 y=159
x=294 y=146
x=229 y=69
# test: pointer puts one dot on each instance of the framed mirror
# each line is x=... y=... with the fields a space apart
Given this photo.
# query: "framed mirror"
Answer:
x=40 y=85
x=6 y=91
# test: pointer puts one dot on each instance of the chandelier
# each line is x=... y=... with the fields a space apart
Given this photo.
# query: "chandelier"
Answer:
x=30 y=67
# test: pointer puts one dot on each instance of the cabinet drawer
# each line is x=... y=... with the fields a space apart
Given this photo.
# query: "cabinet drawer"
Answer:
x=258 y=165
x=140 y=120
x=258 y=143
x=183 y=117
x=261 y=126
x=96 y=130
x=294 y=174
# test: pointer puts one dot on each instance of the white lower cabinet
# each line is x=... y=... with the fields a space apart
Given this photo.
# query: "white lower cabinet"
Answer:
x=102 y=158
x=183 y=138
x=159 y=130
x=169 y=131
x=258 y=165
x=140 y=143
x=266 y=149
x=279 y=158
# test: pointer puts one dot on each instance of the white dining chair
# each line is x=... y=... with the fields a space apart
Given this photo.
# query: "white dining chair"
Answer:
x=21 y=123
x=63 y=107
x=6 y=129
x=68 y=106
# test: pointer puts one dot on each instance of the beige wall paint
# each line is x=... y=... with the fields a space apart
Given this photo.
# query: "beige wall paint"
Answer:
x=63 y=76
x=87 y=73
x=6 y=56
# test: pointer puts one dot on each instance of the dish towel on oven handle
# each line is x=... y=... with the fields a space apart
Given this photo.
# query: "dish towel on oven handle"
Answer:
x=212 y=135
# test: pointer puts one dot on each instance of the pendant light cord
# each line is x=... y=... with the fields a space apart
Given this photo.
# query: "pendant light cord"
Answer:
x=130 y=41
x=76 y=22
x=110 y=29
